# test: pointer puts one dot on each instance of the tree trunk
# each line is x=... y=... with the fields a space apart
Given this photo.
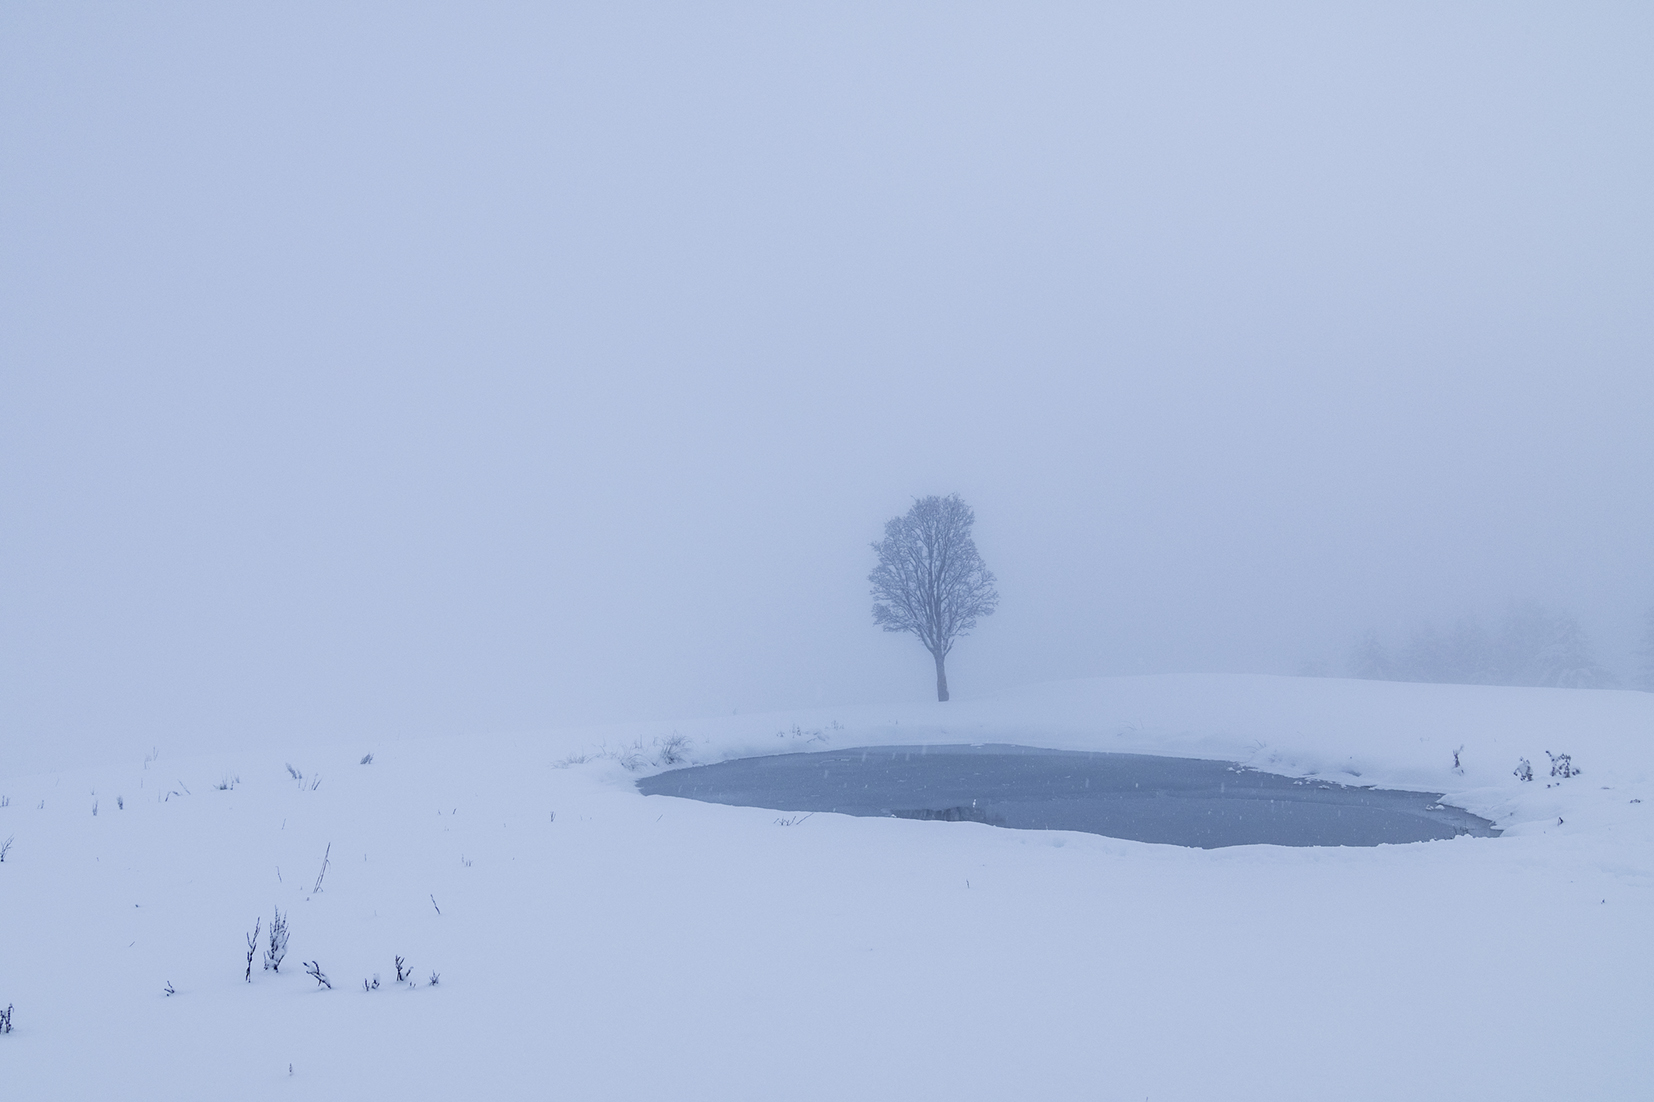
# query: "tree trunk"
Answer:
x=941 y=678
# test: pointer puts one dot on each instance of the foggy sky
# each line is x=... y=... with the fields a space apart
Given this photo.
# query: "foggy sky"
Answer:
x=427 y=370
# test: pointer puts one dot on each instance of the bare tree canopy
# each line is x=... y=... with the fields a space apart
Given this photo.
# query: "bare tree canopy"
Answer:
x=930 y=579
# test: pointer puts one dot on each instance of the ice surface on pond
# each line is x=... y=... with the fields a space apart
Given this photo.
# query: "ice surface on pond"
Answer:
x=1143 y=797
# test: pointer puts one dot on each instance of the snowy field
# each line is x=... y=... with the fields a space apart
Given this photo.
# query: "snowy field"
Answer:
x=592 y=943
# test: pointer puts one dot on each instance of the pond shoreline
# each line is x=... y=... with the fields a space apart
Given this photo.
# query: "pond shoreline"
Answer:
x=1142 y=797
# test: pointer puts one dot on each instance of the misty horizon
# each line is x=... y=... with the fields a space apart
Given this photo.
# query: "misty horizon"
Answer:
x=484 y=370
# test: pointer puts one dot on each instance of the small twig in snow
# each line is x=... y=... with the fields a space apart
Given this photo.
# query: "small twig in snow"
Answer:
x=323 y=873
x=252 y=949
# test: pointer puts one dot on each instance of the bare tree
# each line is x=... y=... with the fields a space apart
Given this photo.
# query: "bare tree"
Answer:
x=930 y=579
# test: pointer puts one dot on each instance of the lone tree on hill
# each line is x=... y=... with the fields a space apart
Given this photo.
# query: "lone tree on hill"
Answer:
x=930 y=579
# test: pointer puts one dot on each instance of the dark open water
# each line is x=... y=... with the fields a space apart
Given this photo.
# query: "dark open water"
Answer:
x=1182 y=801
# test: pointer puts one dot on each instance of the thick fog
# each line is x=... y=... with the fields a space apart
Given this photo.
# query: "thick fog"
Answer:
x=419 y=371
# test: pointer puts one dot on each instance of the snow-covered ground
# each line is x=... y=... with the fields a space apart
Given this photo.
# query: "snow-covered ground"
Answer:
x=593 y=943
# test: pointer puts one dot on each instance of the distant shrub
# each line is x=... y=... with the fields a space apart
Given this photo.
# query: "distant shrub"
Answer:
x=1523 y=770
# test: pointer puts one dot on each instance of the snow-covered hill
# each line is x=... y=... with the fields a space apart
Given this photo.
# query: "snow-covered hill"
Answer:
x=592 y=943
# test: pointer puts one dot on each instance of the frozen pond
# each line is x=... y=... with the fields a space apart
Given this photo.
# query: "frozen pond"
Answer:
x=1147 y=798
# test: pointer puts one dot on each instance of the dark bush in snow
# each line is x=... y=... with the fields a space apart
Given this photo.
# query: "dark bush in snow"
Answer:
x=1562 y=765
x=1523 y=770
x=278 y=942
x=674 y=750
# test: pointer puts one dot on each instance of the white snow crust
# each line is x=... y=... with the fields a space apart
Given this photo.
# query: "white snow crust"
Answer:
x=593 y=943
